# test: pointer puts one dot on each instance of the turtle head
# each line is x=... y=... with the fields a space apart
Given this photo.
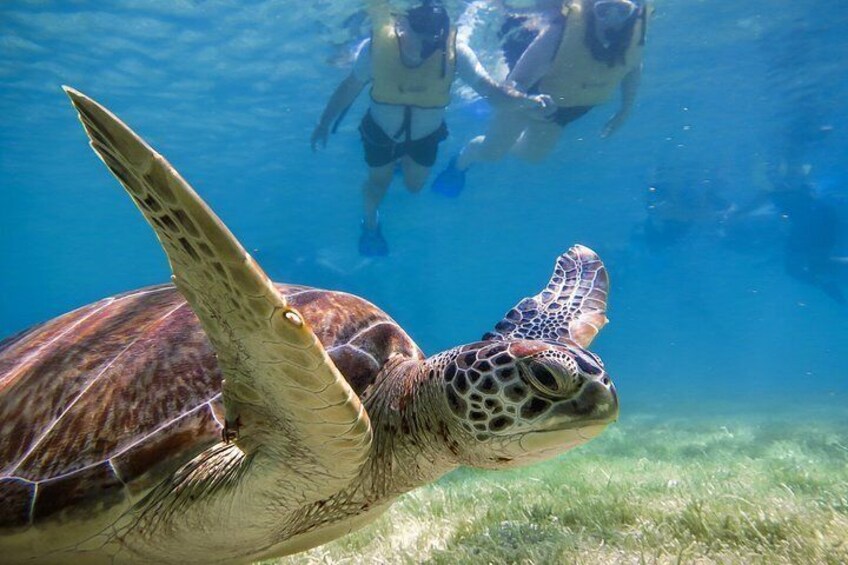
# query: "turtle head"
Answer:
x=523 y=401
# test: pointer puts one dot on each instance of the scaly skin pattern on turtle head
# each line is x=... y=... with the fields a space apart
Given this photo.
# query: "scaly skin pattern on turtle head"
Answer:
x=517 y=402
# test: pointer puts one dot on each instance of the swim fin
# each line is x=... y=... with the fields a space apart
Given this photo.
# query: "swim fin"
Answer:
x=372 y=243
x=451 y=181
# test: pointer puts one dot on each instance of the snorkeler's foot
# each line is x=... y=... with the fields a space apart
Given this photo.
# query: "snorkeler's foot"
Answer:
x=451 y=181
x=371 y=242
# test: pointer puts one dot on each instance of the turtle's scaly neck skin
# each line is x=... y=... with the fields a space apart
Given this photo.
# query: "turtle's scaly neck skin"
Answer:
x=413 y=443
x=414 y=434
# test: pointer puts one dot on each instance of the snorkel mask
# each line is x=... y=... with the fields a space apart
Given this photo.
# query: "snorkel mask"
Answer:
x=614 y=14
x=431 y=22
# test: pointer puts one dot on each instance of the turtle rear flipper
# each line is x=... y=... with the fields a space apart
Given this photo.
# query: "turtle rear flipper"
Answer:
x=572 y=306
x=283 y=394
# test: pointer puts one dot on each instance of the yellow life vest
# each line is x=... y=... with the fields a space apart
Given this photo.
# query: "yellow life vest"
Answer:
x=576 y=78
x=426 y=86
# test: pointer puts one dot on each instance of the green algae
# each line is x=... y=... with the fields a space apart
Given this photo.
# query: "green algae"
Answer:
x=761 y=489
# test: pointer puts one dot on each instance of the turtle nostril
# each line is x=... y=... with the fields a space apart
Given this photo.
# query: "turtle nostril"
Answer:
x=605 y=380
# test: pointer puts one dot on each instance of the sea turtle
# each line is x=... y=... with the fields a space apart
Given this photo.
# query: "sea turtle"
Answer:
x=227 y=418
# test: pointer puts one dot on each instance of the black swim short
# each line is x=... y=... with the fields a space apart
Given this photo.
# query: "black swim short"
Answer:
x=564 y=116
x=380 y=149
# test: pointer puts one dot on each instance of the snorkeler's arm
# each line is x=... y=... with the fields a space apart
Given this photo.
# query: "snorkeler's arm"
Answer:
x=468 y=20
x=472 y=72
x=629 y=88
x=537 y=59
x=342 y=98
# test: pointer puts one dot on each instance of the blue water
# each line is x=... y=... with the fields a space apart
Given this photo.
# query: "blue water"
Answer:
x=229 y=92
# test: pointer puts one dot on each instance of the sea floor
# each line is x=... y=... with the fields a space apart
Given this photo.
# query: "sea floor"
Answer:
x=768 y=487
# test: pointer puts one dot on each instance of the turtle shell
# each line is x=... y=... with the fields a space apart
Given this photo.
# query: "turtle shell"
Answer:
x=99 y=405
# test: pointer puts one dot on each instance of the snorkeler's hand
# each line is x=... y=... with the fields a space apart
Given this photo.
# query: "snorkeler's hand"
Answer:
x=613 y=124
x=541 y=106
x=320 y=135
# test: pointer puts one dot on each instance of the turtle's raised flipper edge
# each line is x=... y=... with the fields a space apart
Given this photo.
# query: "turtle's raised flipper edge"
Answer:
x=572 y=306
x=279 y=380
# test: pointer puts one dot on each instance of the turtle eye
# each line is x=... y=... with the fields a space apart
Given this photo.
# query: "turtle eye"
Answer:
x=544 y=380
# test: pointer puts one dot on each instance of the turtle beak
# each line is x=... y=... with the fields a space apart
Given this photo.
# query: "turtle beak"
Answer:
x=614 y=394
x=596 y=403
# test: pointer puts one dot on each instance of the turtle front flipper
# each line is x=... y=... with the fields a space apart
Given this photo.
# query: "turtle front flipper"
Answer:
x=282 y=392
x=573 y=305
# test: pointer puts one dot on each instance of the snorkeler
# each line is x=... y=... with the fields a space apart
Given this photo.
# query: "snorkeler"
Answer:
x=578 y=52
x=679 y=198
x=411 y=60
x=813 y=228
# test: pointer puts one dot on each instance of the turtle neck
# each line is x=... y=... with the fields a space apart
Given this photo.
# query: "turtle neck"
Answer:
x=412 y=435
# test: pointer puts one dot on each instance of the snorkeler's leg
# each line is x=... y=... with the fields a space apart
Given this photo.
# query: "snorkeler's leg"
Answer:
x=538 y=141
x=371 y=240
x=374 y=190
x=505 y=129
x=414 y=174
x=503 y=133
